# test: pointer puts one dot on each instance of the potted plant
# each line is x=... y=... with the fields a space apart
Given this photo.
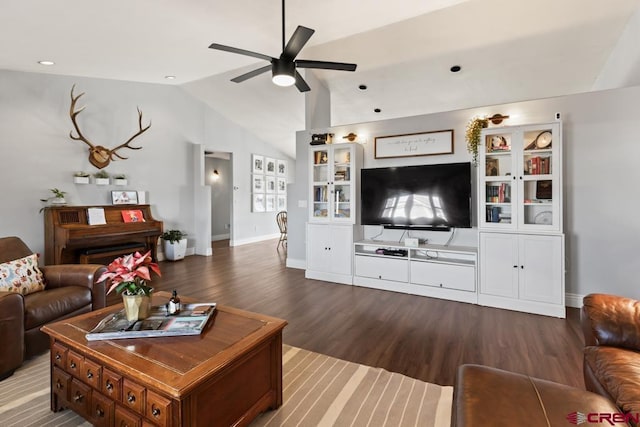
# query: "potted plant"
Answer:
x=102 y=178
x=120 y=179
x=57 y=198
x=472 y=135
x=129 y=275
x=81 y=178
x=175 y=244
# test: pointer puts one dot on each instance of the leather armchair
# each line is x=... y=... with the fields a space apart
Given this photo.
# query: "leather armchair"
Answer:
x=611 y=328
x=70 y=290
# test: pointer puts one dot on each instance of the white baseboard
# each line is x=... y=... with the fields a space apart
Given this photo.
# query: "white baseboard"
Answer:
x=573 y=300
x=217 y=237
x=296 y=263
x=239 y=242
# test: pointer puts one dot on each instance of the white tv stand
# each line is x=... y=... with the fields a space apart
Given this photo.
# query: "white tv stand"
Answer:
x=438 y=271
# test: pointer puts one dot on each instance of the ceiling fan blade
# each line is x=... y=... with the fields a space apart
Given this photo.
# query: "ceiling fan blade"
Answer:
x=250 y=74
x=301 y=84
x=297 y=41
x=239 y=51
x=324 y=65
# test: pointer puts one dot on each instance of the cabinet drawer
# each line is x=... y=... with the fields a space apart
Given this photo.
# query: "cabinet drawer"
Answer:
x=382 y=268
x=92 y=373
x=74 y=364
x=59 y=355
x=126 y=418
x=111 y=384
x=101 y=410
x=460 y=277
x=133 y=396
x=60 y=381
x=80 y=397
x=158 y=409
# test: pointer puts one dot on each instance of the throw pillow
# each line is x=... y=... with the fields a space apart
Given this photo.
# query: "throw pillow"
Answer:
x=21 y=275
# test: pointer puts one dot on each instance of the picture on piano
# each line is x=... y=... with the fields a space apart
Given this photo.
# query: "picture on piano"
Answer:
x=124 y=197
x=132 y=215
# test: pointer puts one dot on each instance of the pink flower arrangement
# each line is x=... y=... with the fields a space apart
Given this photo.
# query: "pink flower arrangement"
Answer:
x=129 y=273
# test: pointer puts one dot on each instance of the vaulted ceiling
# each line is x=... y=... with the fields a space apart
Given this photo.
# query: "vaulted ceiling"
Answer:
x=509 y=50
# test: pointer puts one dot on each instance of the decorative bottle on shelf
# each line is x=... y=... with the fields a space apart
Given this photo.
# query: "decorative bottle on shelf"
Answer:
x=174 y=303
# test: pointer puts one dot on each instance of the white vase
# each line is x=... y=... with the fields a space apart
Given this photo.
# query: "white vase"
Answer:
x=102 y=181
x=176 y=250
x=137 y=307
x=120 y=181
x=81 y=179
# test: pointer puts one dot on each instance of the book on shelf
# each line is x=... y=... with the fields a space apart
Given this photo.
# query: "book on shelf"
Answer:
x=132 y=215
x=191 y=320
x=95 y=216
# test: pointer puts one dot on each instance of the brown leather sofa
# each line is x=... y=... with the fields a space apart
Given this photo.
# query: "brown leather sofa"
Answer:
x=611 y=328
x=70 y=290
x=490 y=397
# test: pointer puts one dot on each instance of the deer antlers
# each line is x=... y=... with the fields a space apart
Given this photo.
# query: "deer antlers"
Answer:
x=100 y=156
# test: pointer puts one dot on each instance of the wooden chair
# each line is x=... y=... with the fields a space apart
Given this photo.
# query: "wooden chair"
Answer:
x=281 y=219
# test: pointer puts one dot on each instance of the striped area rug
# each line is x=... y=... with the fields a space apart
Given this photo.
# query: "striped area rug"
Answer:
x=318 y=391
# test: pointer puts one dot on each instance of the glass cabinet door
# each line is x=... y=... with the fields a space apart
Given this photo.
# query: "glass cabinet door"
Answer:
x=497 y=192
x=539 y=189
x=320 y=196
x=342 y=183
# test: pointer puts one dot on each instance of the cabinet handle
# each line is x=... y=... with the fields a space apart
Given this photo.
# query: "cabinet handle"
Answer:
x=520 y=178
x=131 y=398
x=78 y=398
x=59 y=385
x=109 y=385
x=99 y=412
x=58 y=357
x=522 y=266
x=89 y=374
x=515 y=266
x=514 y=177
x=72 y=365
x=155 y=412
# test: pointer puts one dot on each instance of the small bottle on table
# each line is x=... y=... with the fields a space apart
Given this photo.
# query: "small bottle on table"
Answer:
x=174 y=303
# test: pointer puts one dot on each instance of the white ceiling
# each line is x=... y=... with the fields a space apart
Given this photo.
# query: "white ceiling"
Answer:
x=509 y=50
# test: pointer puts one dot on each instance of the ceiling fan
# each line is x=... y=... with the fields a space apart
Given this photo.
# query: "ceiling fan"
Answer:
x=284 y=69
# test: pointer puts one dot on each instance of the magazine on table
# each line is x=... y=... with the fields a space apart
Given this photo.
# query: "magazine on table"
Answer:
x=191 y=320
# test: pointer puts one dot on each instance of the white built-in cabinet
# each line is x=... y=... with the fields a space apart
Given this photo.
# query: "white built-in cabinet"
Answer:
x=334 y=171
x=521 y=245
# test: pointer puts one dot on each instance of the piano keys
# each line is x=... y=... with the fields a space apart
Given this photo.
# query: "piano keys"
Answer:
x=70 y=239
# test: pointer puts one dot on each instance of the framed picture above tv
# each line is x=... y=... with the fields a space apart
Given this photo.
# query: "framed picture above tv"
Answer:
x=414 y=144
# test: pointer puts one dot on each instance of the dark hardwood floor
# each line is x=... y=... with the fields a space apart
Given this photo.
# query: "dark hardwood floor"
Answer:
x=424 y=338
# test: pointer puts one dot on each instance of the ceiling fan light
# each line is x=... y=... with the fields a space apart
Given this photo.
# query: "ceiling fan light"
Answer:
x=283 y=73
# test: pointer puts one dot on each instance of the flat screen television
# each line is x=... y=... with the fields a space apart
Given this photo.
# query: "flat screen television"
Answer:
x=425 y=197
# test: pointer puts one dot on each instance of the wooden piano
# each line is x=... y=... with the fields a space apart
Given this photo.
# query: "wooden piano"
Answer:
x=70 y=239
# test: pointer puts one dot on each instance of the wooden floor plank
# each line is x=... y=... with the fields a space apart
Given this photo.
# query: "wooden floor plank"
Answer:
x=424 y=338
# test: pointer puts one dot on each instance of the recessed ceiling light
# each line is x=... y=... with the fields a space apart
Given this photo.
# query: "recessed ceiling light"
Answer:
x=170 y=77
x=455 y=68
x=362 y=87
x=46 y=63
x=377 y=110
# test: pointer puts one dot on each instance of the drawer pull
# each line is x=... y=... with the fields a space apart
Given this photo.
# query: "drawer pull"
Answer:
x=58 y=357
x=131 y=398
x=72 y=365
x=155 y=412
x=109 y=385
x=78 y=398
x=99 y=412
x=89 y=374
x=59 y=385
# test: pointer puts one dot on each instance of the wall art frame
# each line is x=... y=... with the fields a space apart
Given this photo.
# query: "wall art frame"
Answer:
x=414 y=144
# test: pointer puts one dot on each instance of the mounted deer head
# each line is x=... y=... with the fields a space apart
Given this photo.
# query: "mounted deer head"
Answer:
x=100 y=156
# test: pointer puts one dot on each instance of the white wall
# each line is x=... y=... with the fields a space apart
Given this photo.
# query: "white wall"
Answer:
x=36 y=152
x=601 y=205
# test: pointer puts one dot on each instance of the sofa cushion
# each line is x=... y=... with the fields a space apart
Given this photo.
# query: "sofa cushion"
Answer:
x=618 y=370
x=53 y=304
x=21 y=275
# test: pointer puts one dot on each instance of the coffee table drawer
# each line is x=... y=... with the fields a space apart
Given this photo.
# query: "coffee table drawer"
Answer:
x=102 y=410
x=133 y=396
x=111 y=384
x=92 y=373
x=59 y=355
x=80 y=397
x=61 y=381
x=126 y=418
x=158 y=409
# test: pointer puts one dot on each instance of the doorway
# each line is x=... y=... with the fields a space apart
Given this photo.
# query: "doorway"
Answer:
x=219 y=176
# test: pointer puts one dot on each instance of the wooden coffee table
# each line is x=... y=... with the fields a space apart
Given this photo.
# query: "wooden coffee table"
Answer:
x=224 y=377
